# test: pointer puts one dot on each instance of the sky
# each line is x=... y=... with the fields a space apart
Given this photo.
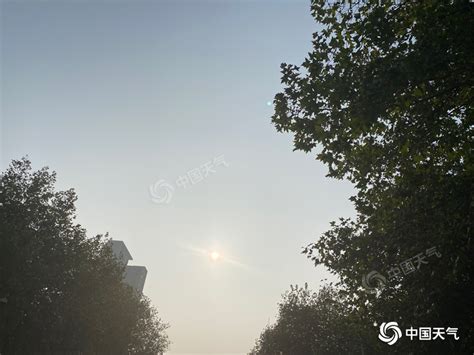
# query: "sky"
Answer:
x=158 y=114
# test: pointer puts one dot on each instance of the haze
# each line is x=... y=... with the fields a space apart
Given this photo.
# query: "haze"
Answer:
x=116 y=96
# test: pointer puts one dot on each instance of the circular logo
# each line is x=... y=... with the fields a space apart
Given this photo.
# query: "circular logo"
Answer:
x=161 y=192
x=373 y=280
x=390 y=327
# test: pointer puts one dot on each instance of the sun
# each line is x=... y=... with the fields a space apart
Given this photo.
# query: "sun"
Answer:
x=215 y=255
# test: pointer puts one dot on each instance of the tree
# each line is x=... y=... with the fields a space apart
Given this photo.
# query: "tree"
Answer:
x=147 y=336
x=310 y=323
x=63 y=292
x=385 y=100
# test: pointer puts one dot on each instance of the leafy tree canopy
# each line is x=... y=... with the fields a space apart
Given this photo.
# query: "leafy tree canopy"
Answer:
x=63 y=292
x=385 y=99
x=310 y=323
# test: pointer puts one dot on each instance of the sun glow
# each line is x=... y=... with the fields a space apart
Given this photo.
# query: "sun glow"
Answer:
x=215 y=255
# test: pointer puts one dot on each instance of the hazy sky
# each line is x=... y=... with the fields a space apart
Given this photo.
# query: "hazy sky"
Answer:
x=118 y=95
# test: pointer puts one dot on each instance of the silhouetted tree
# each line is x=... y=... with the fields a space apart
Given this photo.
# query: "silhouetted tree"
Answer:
x=147 y=336
x=63 y=292
x=311 y=323
x=385 y=99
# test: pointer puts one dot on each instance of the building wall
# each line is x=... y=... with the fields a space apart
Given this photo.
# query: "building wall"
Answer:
x=134 y=275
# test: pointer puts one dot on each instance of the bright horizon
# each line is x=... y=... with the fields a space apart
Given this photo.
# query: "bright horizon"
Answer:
x=123 y=99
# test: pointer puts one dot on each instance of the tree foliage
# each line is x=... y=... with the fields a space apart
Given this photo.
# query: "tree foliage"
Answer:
x=310 y=323
x=385 y=100
x=62 y=291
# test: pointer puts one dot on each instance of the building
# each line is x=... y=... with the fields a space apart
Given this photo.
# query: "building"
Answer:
x=134 y=276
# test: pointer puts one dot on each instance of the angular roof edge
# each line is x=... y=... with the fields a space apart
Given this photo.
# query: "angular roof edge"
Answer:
x=120 y=247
